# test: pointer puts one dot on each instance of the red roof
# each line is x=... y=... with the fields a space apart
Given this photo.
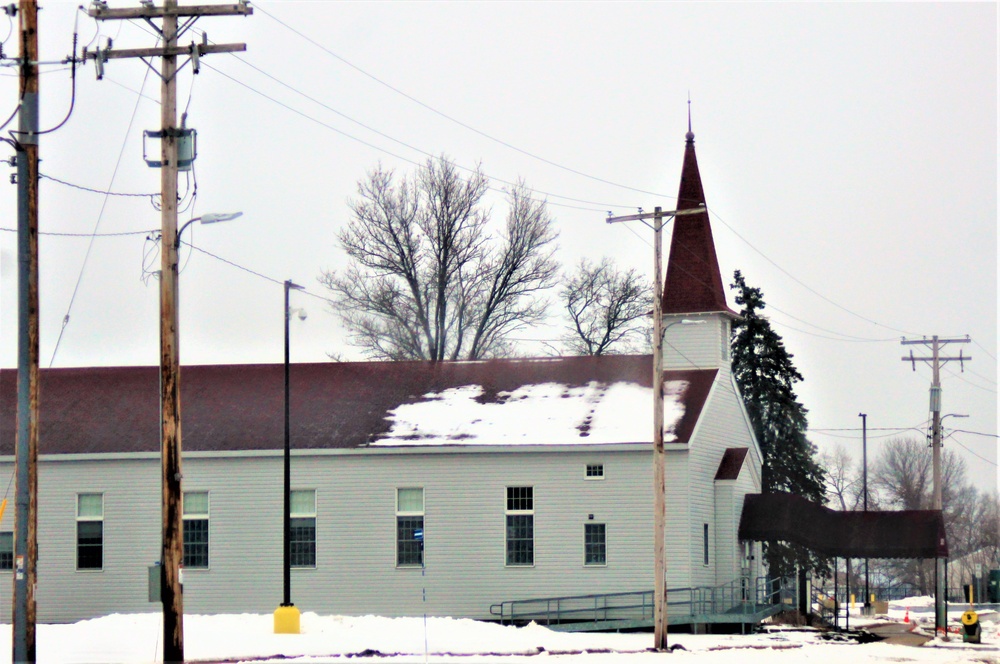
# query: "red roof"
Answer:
x=333 y=405
x=693 y=283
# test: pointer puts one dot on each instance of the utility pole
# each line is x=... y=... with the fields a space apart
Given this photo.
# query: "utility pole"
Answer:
x=659 y=480
x=935 y=344
x=170 y=402
x=26 y=497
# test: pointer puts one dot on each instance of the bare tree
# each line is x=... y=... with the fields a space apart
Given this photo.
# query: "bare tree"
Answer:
x=844 y=480
x=425 y=280
x=903 y=475
x=606 y=309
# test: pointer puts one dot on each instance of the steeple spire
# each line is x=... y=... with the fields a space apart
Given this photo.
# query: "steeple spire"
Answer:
x=693 y=283
x=690 y=135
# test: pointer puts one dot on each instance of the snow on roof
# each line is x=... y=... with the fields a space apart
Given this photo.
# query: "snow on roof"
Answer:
x=534 y=414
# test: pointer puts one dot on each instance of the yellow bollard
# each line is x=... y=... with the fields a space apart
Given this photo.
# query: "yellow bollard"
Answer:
x=852 y=600
x=286 y=620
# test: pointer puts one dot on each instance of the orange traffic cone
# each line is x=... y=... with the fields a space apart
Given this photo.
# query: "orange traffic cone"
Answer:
x=906 y=618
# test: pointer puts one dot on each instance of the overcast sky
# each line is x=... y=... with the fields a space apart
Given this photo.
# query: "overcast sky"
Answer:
x=848 y=153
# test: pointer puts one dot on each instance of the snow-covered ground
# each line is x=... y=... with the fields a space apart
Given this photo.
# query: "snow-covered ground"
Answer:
x=248 y=638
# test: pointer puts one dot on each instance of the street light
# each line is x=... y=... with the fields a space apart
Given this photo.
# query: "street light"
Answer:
x=287 y=616
x=659 y=486
x=210 y=218
x=172 y=542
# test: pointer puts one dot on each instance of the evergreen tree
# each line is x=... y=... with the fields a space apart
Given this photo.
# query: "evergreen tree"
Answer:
x=766 y=376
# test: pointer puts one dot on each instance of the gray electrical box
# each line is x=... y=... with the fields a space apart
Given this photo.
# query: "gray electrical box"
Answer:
x=155 y=582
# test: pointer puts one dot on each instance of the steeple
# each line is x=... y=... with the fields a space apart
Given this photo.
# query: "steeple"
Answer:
x=694 y=283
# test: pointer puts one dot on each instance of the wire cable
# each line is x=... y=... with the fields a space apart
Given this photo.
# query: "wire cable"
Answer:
x=97 y=191
x=100 y=216
x=455 y=120
x=802 y=283
x=90 y=235
x=603 y=207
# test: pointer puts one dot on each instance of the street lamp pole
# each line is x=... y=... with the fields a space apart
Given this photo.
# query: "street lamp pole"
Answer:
x=864 y=489
x=286 y=616
x=659 y=479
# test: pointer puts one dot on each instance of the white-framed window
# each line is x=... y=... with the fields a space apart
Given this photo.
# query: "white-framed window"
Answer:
x=196 y=529
x=90 y=531
x=704 y=542
x=520 y=530
x=595 y=471
x=409 y=527
x=302 y=540
x=6 y=551
x=595 y=544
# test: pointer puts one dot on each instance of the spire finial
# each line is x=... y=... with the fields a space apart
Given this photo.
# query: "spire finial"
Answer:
x=690 y=134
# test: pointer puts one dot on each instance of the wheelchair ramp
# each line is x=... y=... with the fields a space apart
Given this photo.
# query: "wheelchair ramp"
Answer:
x=739 y=602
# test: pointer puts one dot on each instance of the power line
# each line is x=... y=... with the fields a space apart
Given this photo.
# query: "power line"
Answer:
x=977 y=433
x=975 y=454
x=97 y=191
x=571 y=170
x=802 y=283
x=90 y=235
x=100 y=216
x=343 y=133
x=391 y=138
x=454 y=120
x=280 y=282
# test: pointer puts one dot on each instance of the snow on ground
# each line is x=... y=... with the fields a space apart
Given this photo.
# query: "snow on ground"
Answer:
x=135 y=638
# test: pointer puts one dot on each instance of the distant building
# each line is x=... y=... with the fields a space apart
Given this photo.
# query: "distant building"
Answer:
x=418 y=488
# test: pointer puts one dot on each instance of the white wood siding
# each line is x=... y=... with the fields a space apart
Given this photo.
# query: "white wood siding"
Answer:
x=723 y=424
x=355 y=572
x=703 y=346
x=727 y=565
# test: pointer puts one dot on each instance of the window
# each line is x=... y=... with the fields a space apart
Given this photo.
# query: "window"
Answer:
x=410 y=527
x=595 y=544
x=196 y=529
x=704 y=540
x=520 y=514
x=90 y=531
x=302 y=540
x=6 y=551
x=595 y=471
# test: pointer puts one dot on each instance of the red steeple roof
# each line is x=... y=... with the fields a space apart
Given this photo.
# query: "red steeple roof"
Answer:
x=693 y=283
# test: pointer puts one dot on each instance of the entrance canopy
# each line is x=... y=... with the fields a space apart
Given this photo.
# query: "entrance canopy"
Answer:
x=874 y=534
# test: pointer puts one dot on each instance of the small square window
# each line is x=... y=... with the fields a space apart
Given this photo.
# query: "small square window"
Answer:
x=595 y=471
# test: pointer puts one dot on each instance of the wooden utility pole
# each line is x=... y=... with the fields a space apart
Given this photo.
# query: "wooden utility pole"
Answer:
x=935 y=345
x=170 y=401
x=659 y=479
x=26 y=500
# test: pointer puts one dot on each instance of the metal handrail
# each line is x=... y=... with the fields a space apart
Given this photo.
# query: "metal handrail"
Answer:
x=737 y=596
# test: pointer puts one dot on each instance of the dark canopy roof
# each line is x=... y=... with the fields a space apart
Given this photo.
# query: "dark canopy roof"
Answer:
x=789 y=518
x=333 y=404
